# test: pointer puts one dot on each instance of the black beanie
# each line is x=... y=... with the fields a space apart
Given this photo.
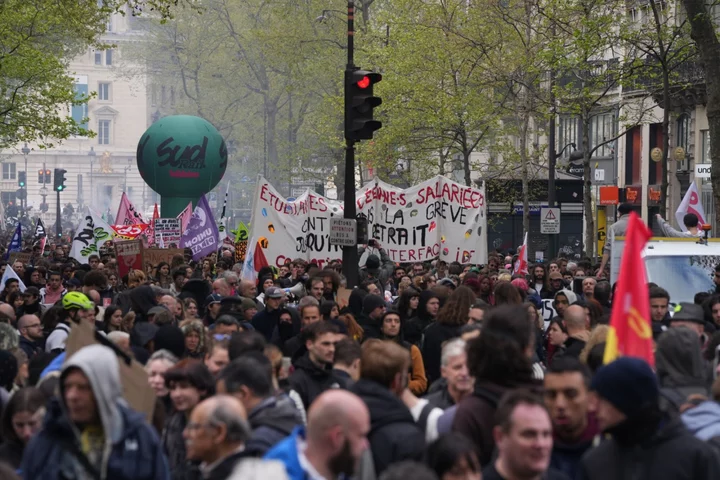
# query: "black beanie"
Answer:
x=628 y=383
x=371 y=302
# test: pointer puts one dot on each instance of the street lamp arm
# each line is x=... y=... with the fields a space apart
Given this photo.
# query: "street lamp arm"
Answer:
x=559 y=154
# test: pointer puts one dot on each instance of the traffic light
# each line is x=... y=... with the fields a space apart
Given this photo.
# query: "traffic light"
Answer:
x=47 y=176
x=359 y=105
x=44 y=176
x=59 y=179
x=22 y=179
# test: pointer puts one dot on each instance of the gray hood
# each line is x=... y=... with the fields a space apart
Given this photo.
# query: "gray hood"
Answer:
x=100 y=365
x=678 y=359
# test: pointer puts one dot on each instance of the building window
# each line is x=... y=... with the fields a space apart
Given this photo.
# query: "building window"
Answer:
x=567 y=134
x=103 y=132
x=602 y=129
x=683 y=139
x=104 y=91
x=109 y=57
x=153 y=95
x=79 y=113
x=8 y=171
x=98 y=58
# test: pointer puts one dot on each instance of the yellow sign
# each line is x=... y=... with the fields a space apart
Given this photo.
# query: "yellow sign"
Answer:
x=601 y=229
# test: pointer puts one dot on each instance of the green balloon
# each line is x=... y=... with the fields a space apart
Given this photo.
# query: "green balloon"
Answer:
x=181 y=157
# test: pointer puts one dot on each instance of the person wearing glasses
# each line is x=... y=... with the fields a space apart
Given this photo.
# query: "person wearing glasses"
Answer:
x=31 y=333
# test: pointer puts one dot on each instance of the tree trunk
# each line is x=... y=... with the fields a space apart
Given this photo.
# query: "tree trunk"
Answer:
x=666 y=142
x=466 y=168
x=273 y=161
x=587 y=190
x=703 y=33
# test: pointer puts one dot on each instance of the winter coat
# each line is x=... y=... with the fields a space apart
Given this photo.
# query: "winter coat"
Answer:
x=435 y=335
x=132 y=450
x=440 y=397
x=566 y=457
x=703 y=421
x=310 y=380
x=174 y=445
x=271 y=420
x=11 y=453
x=287 y=452
x=475 y=417
x=265 y=322
x=681 y=369
x=224 y=469
x=671 y=453
x=393 y=436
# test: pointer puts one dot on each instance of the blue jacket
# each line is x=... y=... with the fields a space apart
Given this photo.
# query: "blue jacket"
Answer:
x=287 y=453
x=137 y=454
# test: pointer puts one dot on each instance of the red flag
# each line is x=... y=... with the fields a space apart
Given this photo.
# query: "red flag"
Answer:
x=521 y=264
x=630 y=331
x=259 y=260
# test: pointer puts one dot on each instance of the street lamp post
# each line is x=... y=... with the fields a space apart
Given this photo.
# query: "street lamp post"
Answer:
x=26 y=152
x=350 y=253
x=126 y=170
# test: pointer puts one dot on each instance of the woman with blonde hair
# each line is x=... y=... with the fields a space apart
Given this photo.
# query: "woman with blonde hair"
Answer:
x=591 y=354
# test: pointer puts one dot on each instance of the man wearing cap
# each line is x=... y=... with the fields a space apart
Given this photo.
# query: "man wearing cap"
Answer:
x=642 y=442
x=266 y=320
x=212 y=308
x=690 y=316
x=617 y=229
x=373 y=309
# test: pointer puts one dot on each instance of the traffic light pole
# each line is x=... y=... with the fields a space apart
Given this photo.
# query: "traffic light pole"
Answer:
x=58 y=217
x=350 y=254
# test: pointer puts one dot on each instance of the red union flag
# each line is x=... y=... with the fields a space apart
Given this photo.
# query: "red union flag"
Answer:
x=630 y=333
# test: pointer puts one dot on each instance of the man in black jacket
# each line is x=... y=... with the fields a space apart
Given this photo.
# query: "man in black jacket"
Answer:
x=313 y=371
x=272 y=417
x=266 y=320
x=642 y=440
x=393 y=436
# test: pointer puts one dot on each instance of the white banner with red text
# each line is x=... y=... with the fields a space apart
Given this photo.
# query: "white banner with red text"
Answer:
x=438 y=218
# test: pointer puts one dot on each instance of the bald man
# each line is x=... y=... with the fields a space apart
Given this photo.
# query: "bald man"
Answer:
x=216 y=434
x=31 y=332
x=577 y=325
x=8 y=311
x=334 y=441
x=221 y=287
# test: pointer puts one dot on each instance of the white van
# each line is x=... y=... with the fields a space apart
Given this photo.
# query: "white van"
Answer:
x=681 y=266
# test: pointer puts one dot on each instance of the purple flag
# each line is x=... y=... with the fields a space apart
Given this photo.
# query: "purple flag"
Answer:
x=201 y=235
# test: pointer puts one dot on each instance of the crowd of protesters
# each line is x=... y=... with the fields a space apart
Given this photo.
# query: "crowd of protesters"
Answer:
x=430 y=370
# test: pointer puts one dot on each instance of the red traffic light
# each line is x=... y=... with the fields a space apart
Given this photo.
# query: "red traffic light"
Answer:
x=364 y=82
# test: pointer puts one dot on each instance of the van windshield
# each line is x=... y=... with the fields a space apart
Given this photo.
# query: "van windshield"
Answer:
x=682 y=276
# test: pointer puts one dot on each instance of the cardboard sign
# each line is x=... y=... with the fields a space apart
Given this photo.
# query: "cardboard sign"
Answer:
x=240 y=250
x=23 y=257
x=437 y=218
x=167 y=231
x=136 y=388
x=153 y=256
x=129 y=255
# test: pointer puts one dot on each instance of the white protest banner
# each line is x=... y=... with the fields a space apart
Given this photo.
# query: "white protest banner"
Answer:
x=438 y=218
x=90 y=235
x=170 y=229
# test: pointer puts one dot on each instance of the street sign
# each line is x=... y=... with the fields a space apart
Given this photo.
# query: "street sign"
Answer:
x=550 y=221
x=702 y=170
x=343 y=231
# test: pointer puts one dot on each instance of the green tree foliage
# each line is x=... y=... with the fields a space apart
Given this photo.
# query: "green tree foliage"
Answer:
x=38 y=39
